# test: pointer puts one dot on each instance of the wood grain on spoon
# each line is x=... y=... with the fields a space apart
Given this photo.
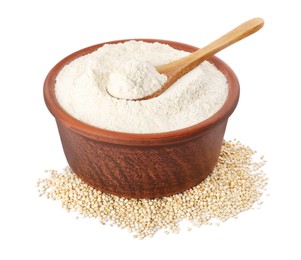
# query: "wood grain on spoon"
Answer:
x=179 y=68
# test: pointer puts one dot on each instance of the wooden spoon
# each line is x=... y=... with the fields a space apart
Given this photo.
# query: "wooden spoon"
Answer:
x=179 y=68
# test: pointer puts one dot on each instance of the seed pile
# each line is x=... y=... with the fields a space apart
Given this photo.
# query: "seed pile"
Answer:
x=235 y=185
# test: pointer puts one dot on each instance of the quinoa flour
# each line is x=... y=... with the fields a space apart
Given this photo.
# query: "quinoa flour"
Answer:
x=81 y=89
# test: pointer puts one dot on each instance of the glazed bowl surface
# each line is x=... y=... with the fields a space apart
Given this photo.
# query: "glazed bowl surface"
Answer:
x=141 y=165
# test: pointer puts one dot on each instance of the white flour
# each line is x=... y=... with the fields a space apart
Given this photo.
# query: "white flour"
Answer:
x=81 y=89
x=134 y=80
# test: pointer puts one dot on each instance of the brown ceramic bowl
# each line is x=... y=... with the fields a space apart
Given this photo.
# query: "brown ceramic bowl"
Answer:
x=142 y=165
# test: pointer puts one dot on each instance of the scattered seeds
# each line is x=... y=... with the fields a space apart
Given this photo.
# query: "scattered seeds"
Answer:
x=235 y=185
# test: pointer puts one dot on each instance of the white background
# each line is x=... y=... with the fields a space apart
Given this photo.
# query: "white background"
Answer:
x=37 y=34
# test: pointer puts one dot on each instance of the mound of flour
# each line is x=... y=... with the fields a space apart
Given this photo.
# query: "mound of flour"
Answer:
x=135 y=80
x=81 y=89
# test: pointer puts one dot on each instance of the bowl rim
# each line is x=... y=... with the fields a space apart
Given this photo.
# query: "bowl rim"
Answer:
x=140 y=139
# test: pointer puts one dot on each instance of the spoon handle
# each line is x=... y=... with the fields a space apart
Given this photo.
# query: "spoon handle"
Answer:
x=186 y=64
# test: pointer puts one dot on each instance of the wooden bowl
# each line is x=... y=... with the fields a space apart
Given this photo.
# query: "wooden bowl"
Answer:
x=142 y=165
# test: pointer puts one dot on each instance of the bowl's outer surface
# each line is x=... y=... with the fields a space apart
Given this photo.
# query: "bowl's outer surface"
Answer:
x=142 y=171
x=142 y=165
